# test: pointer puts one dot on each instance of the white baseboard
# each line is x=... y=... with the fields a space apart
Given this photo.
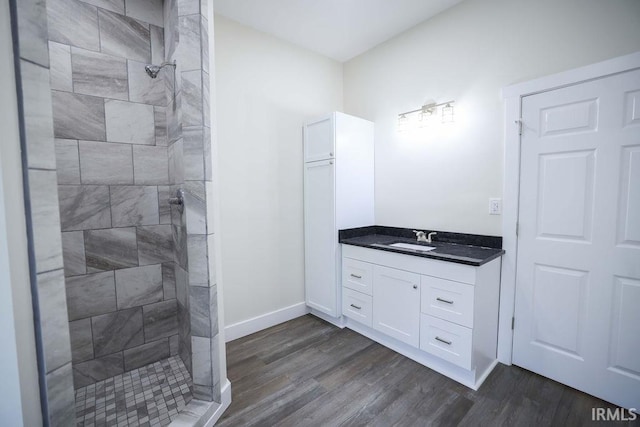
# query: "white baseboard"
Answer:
x=250 y=326
x=226 y=401
x=335 y=321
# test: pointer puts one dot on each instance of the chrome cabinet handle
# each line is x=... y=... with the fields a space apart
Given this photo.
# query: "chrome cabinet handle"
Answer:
x=415 y=286
x=443 y=340
x=446 y=301
x=356 y=276
x=356 y=307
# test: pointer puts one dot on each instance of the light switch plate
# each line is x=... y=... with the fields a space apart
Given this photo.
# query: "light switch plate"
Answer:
x=495 y=206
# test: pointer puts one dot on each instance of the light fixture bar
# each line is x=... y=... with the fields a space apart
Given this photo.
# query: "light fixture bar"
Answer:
x=426 y=107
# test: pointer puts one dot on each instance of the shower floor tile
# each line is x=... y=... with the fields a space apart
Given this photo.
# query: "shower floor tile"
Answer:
x=148 y=396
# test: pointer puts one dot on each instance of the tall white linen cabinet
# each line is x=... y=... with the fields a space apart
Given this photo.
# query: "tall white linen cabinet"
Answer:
x=338 y=194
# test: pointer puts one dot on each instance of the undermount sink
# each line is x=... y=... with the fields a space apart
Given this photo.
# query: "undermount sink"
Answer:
x=412 y=246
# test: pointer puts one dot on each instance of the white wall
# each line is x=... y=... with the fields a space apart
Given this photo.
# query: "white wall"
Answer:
x=442 y=178
x=19 y=392
x=265 y=90
x=439 y=178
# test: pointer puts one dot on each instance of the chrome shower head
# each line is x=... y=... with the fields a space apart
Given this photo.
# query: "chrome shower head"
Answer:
x=153 y=70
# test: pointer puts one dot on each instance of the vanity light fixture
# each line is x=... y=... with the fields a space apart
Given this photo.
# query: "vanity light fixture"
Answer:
x=426 y=114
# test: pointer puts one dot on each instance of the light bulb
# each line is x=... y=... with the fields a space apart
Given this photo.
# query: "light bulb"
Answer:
x=447 y=114
x=403 y=123
x=425 y=115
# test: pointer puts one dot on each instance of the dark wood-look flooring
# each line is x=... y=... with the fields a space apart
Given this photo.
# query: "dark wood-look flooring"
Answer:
x=306 y=372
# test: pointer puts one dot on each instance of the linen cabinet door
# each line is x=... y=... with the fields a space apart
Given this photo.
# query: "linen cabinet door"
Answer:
x=319 y=139
x=321 y=287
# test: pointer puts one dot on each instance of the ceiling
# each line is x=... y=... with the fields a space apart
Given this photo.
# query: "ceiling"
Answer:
x=339 y=29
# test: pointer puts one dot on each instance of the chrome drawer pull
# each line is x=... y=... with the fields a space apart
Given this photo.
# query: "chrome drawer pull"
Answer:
x=356 y=276
x=356 y=307
x=444 y=300
x=444 y=341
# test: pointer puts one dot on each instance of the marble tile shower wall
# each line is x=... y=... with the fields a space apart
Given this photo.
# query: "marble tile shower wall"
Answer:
x=49 y=287
x=188 y=123
x=78 y=49
x=112 y=152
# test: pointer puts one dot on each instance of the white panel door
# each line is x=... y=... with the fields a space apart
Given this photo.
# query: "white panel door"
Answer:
x=321 y=290
x=396 y=304
x=319 y=139
x=577 y=311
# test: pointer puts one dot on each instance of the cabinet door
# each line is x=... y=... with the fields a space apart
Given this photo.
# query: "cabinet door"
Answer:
x=320 y=247
x=319 y=140
x=396 y=304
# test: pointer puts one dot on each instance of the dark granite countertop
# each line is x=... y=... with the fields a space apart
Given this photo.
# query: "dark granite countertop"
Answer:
x=470 y=249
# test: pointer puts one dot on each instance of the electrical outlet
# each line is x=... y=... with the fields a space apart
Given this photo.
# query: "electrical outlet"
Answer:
x=495 y=206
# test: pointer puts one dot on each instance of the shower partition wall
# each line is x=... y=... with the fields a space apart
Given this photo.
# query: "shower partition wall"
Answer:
x=140 y=281
x=190 y=163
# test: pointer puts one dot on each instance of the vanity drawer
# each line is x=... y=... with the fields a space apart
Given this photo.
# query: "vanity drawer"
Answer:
x=446 y=340
x=357 y=275
x=357 y=306
x=448 y=300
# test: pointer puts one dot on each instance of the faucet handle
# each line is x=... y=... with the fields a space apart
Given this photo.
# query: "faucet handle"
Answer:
x=433 y=233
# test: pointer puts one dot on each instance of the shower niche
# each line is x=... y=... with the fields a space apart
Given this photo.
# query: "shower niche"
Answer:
x=129 y=90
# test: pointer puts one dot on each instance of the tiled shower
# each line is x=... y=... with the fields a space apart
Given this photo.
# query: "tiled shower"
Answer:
x=139 y=275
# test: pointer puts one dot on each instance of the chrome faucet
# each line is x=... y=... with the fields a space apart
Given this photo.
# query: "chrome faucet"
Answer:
x=422 y=236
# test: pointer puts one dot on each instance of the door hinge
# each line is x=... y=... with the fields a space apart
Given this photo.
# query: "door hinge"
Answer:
x=519 y=123
x=513 y=322
x=517 y=228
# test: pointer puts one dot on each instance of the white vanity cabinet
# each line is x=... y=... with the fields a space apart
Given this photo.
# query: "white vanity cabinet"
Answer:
x=441 y=314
